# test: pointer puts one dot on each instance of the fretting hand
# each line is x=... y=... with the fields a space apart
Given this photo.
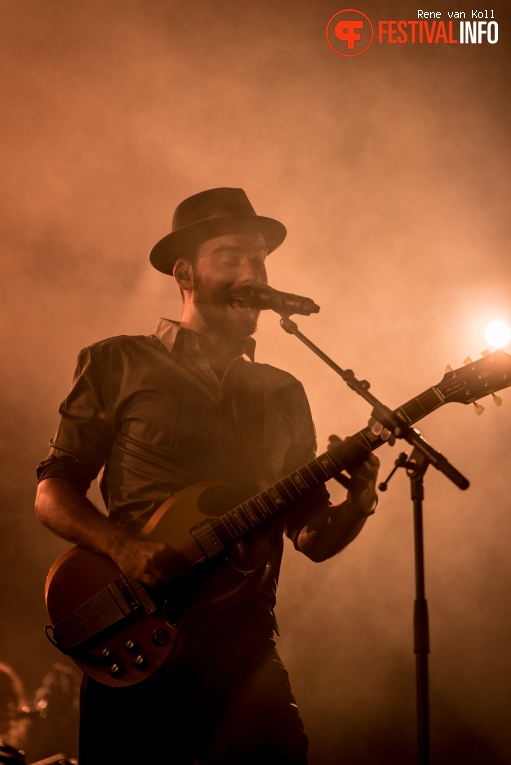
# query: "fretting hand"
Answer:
x=378 y=430
x=361 y=483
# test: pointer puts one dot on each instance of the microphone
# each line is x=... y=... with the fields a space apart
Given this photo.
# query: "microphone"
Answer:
x=263 y=297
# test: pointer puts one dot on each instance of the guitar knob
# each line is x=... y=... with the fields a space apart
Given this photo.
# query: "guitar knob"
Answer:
x=468 y=360
x=497 y=399
x=486 y=352
x=140 y=662
x=131 y=646
x=106 y=654
x=160 y=637
x=116 y=670
x=479 y=409
x=449 y=368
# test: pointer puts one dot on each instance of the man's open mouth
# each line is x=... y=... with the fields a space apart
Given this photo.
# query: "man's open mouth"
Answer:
x=239 y=304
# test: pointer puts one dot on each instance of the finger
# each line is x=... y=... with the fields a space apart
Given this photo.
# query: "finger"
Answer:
x=366 y=471
x=388 y=436
x=376 y=427
x=333 y=443
x=365 y=474
x=378 y=430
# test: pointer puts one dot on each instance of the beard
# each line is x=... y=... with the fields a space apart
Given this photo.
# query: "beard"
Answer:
x=214 y=307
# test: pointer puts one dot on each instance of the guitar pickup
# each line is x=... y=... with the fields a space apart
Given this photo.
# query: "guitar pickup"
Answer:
x=209 y=542
x=111 y=605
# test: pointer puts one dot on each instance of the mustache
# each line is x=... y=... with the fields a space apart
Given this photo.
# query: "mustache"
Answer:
x=204 y=293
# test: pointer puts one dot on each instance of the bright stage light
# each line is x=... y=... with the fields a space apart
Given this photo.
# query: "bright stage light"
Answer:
x=498 y=334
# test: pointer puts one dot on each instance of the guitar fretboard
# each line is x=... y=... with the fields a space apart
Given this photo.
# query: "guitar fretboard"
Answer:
x=262 y=508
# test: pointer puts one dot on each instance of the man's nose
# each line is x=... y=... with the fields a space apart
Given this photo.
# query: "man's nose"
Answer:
x=251 y=271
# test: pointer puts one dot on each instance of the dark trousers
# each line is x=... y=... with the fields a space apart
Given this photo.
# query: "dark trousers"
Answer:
x=227 y=701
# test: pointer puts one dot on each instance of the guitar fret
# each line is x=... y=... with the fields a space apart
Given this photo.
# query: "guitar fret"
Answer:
x=325 y=463
x=316 y=469
x=417 y=408
x=302 y=470
x=430 y=400
x=369 y=439
x=238 y=519
x=404 y=416
x=295 y=493
x=329 y=465
x=252 y=516
x=414 y=411
x=230 y=521
x=235 y=522
x=266 y=495
x=281 y=484
x=298 y=481
x=225 y=523
x=263 y=507
x=259 y=512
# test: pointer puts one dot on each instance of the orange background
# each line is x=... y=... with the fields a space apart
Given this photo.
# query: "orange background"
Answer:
x=391 y=172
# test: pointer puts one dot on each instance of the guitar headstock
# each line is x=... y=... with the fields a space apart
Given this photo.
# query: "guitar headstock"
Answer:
x=477 y=379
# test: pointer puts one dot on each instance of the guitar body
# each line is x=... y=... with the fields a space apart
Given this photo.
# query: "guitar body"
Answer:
x=118 y=645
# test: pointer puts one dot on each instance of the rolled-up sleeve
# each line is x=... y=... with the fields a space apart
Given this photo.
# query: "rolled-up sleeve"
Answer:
x=83 y=439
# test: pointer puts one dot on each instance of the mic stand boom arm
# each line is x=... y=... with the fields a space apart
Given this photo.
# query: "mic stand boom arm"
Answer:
x=381 y=413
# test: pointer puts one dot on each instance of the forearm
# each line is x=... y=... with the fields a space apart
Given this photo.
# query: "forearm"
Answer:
x=330 y=530
x=69 y=514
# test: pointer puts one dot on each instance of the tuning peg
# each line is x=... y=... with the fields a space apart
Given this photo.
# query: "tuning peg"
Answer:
x=449 y=368
x=497 y=399
x=468 y=360
x=486 y=352
x=479 y=409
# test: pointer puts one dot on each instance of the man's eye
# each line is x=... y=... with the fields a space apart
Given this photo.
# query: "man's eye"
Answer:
x=229 y=262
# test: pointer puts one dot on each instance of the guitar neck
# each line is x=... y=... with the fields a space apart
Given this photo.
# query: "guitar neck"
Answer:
x=409 y=413
x=274 y=500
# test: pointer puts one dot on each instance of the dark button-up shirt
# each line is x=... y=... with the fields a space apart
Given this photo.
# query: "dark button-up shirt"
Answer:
x=150 y=415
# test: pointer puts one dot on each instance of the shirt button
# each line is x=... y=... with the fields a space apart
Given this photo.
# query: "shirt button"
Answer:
x=207 y=367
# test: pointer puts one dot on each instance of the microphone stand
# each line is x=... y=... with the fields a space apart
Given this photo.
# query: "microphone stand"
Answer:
x=416 y=467
x=421 y=457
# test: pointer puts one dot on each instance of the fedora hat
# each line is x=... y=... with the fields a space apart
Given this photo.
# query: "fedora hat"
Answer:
x=209 y=214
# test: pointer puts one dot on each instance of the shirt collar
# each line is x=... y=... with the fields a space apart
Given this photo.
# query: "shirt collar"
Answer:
x=169 y=332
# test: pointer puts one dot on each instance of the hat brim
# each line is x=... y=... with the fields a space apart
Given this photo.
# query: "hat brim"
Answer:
x=177 y=244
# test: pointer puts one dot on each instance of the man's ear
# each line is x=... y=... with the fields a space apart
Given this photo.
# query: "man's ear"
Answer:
x=182 y=274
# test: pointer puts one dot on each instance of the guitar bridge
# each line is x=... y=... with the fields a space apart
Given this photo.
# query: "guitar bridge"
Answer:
x=111 y=605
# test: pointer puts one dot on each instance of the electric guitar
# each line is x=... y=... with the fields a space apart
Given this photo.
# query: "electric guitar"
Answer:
x=120 y=632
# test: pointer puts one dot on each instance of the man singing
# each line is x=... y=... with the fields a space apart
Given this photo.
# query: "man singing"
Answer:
x=158 y=414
